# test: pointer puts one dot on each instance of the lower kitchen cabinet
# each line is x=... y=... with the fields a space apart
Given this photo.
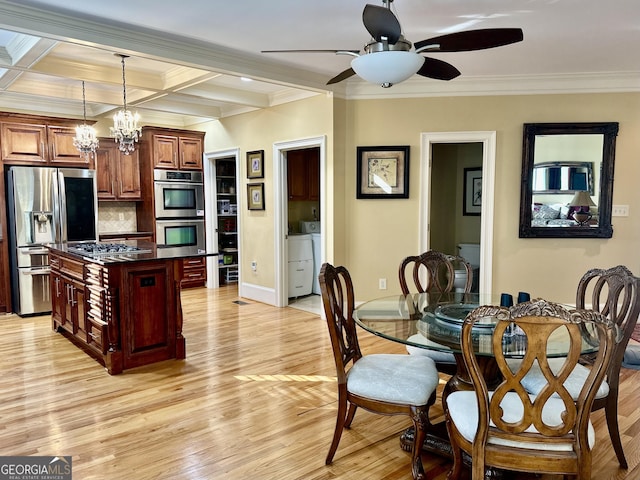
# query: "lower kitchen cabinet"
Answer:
x=125 y=315
x=195 y=272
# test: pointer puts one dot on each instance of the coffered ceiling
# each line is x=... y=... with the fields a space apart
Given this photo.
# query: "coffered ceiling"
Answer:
x=187 y=59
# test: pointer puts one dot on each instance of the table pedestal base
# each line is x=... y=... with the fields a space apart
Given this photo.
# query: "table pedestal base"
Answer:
x=437 y=442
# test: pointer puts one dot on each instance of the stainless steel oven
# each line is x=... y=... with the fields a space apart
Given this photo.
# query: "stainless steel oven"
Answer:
x=178 y=194
x=180 y=233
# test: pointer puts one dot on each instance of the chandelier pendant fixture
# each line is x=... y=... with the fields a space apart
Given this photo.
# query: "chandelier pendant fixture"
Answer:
x=125 y=130
x=86 y=140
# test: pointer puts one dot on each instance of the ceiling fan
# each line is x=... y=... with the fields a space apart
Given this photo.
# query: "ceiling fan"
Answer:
x=388 y=59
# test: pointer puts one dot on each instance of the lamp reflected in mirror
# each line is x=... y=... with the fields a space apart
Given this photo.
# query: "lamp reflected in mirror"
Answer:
x=582 y=202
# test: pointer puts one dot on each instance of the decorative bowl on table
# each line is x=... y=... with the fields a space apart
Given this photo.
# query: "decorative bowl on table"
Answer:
x=444 y=325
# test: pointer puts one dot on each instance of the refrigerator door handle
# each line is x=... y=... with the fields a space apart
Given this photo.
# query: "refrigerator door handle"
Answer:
x=35 y=271
x=34 y=251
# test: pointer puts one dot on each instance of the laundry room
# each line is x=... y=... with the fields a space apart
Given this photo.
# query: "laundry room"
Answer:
x=304 y=227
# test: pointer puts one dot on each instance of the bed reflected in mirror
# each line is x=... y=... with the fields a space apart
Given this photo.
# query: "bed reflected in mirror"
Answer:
x=565 y=165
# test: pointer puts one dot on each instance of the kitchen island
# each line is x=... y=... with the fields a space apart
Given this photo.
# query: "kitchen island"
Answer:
x=120 y=303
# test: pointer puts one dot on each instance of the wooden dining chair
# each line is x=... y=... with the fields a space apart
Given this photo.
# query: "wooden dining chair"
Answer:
x=614 y=292
x=432 y=271
x=388 y=384
x=508 y=428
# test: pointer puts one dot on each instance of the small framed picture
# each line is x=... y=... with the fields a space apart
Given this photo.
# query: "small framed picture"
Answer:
x=472 y=200
x=255 y=164
x=255 y=196
x=383 y=172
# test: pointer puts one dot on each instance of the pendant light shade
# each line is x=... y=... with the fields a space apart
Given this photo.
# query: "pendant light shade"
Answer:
x=86 y=140
x=125 y=130
x=387 y=67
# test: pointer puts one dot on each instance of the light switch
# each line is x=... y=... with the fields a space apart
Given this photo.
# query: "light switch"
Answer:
x=620 y=211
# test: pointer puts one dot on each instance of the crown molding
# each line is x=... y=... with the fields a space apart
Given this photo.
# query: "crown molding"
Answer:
x=494 y=85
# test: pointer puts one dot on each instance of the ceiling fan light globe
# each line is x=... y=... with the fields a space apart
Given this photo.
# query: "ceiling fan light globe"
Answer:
x=389 y=67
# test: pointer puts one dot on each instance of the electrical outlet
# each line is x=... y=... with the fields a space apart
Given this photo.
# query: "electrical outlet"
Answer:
x=382 y=283
x=254 y=266
x=121 y=217
x=620 y=211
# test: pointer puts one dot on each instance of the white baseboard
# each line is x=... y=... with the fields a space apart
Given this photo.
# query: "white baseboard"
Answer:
x=258 y=293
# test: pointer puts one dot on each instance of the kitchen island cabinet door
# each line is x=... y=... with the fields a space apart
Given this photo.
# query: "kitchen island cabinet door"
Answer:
x=148 y=325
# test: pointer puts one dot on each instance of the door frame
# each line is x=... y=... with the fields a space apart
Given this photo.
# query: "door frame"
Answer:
x=211 y=213
x=280 y=200
x=488 y=140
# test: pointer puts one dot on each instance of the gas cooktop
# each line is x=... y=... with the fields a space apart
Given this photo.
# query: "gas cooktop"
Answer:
x=102 y=249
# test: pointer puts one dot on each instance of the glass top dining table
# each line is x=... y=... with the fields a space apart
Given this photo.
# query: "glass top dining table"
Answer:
x=438 y=318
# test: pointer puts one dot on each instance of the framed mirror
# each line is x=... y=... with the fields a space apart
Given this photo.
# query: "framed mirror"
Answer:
x=567 y=180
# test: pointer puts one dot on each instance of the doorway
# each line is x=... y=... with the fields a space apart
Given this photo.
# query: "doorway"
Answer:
x=211 y=197
x=428 y=212
x=282 y=225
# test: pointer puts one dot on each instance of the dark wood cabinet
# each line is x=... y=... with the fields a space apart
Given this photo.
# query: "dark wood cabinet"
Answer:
x=67 y=295
x=124 y=314
x=195 y=272
x=175 y=150
x=30 y=140
x=303 y=174
x=118 y=175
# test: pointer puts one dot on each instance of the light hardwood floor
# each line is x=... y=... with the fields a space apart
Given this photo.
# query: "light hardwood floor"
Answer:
x=255 y=398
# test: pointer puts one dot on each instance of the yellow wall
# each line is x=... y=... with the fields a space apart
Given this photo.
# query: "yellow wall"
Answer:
x=371 y=236
x=381 y=233
x=259 y=131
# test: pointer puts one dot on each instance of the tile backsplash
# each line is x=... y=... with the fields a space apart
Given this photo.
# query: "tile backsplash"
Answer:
x=117 y=217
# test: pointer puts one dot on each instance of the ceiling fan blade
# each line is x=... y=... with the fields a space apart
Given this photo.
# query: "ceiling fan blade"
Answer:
x=381 y=22
x=471 y=40
x=311 y=51
x=438 y=69
x=349 y=72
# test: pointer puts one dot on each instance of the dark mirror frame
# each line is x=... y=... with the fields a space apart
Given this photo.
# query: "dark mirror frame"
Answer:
x=604 y=229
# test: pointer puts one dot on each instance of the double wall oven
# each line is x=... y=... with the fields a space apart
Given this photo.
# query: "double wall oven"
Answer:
x=179 y=208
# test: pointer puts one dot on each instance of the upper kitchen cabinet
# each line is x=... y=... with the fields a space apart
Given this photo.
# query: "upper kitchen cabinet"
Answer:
x=118 y=175
x=303 y=174
x=30 y=140
x=175 y=149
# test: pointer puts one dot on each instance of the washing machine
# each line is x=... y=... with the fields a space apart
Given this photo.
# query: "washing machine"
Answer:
x=300 y=265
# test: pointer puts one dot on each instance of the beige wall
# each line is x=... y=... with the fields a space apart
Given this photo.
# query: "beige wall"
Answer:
x=259 y=131
x=371 y=236
x=382 y=233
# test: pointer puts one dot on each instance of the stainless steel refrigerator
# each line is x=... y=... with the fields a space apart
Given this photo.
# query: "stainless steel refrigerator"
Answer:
x=45 y=205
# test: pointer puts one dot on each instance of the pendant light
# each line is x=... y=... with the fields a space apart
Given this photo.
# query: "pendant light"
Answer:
x=86 y=140
x=125 y=128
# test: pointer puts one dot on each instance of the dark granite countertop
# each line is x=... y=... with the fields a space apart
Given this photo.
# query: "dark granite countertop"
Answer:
x=149 y=251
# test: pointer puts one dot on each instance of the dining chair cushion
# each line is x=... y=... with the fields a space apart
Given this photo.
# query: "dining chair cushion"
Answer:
x=437 y=356
x=534 y=380
x=393 y=378
x=463 y=410
x=631 y=358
